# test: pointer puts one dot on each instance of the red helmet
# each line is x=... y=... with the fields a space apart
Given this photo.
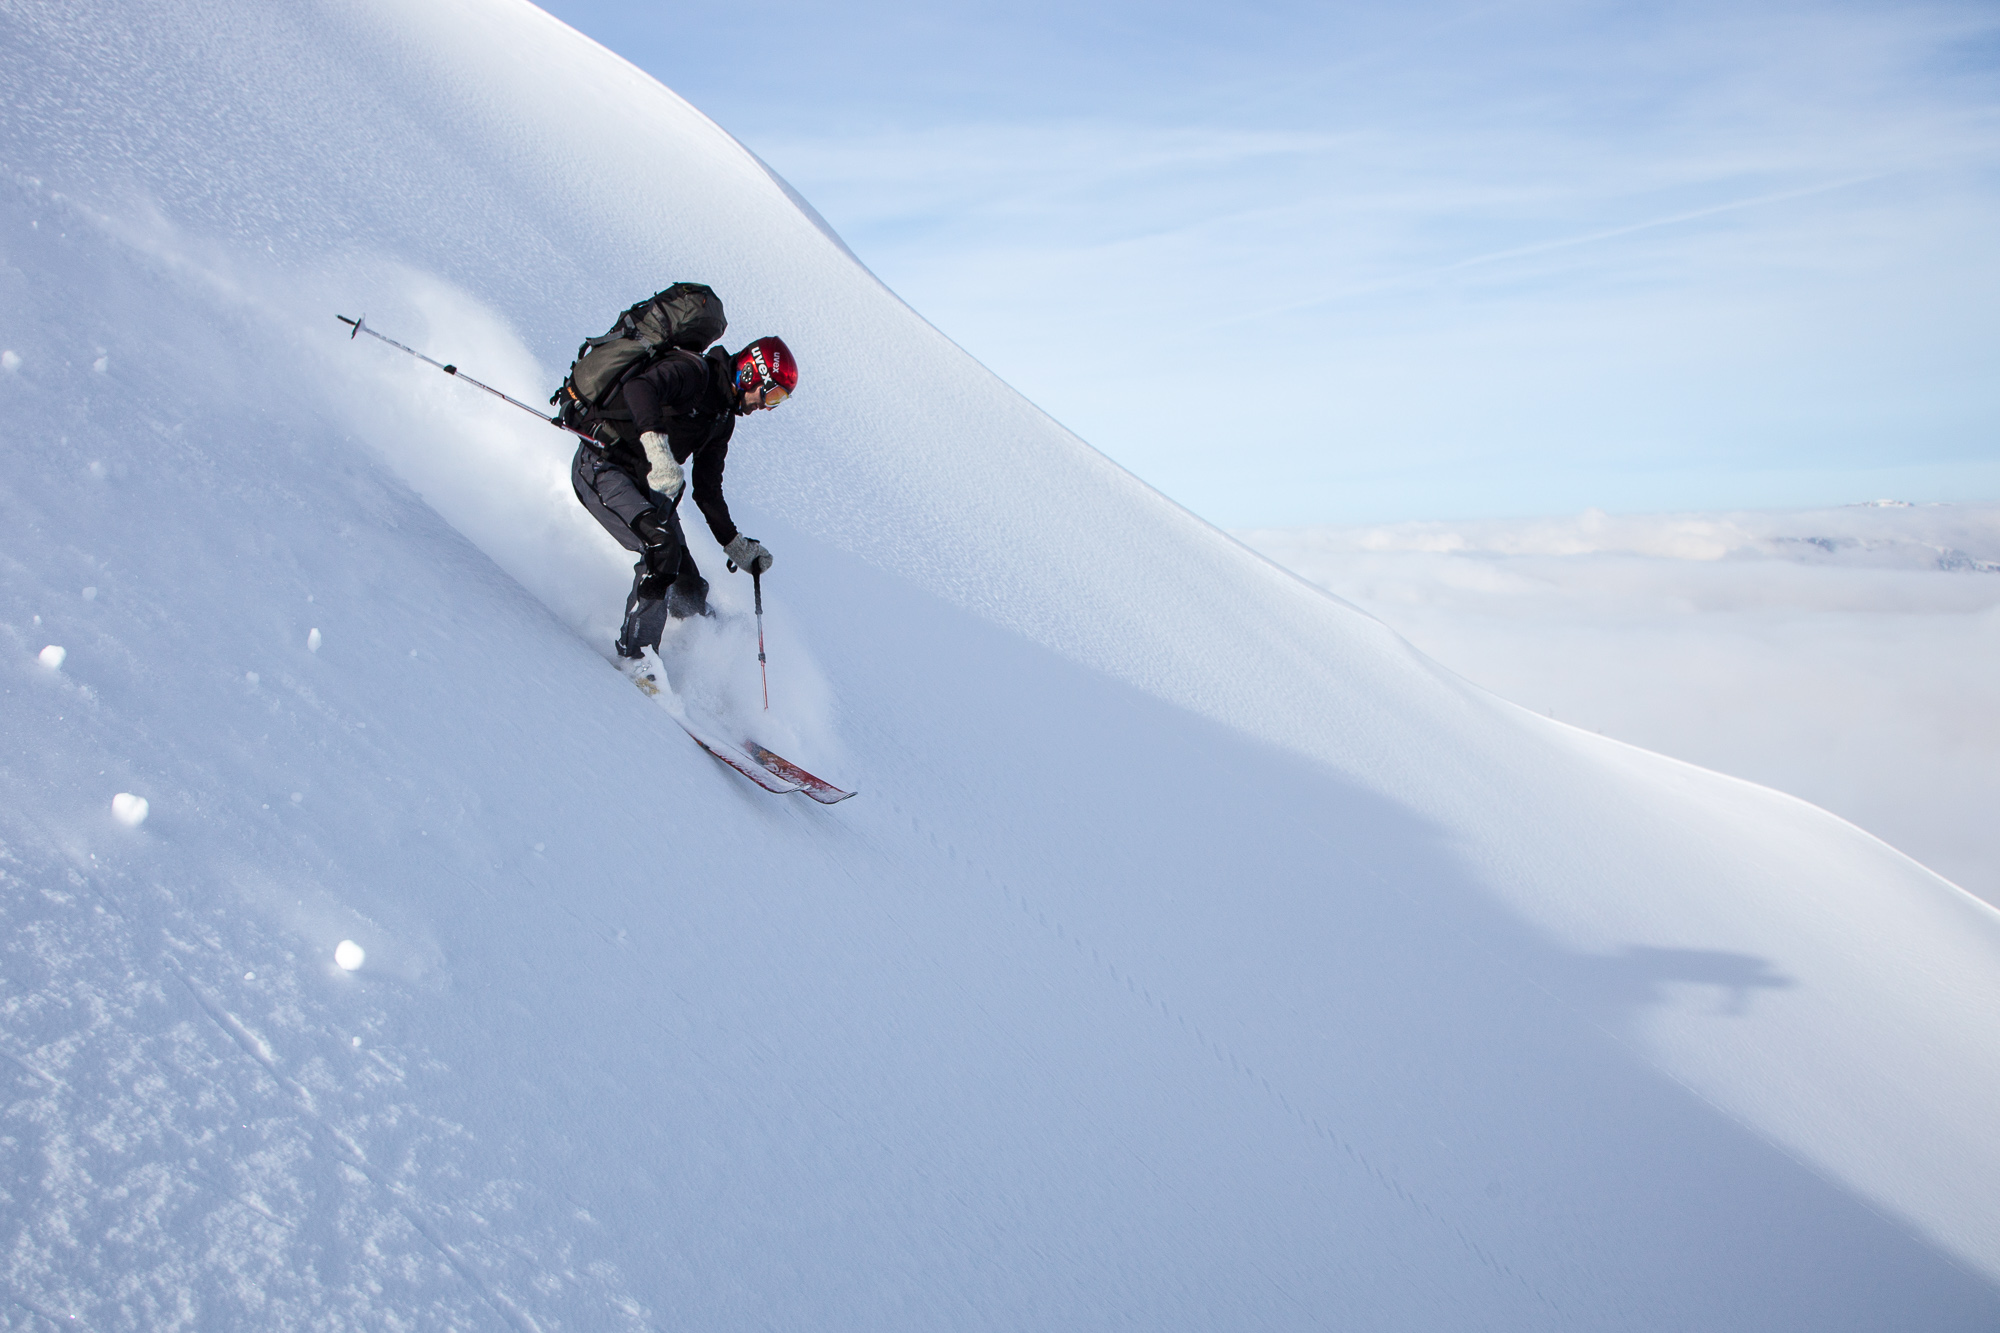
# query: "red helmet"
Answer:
x=765 y=363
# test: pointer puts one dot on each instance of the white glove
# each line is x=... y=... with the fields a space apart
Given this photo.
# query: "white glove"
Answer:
x=665 y=475
x=748 y=553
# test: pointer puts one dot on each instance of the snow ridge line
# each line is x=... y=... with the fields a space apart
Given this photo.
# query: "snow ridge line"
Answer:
x=1224 y=1055
x=351 y=1152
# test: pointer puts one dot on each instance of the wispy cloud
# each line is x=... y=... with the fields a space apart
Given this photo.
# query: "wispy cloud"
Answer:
x=1568 y=242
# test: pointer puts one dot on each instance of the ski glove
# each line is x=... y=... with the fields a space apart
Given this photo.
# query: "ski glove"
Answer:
x=666 y=476
x=748 y=553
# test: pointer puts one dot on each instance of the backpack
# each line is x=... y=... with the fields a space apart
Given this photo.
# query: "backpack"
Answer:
x=687 y=315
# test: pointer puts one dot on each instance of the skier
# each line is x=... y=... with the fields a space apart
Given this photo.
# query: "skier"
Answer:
x=669 y=420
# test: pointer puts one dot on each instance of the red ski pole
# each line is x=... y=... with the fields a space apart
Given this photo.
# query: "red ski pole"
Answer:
x=757 y=589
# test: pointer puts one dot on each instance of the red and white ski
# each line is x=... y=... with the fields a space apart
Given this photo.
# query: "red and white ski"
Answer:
x=816 y=787
x=762 y=765
x=769 y=779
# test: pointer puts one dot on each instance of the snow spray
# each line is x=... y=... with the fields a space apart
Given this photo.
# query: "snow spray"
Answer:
x=361 y=326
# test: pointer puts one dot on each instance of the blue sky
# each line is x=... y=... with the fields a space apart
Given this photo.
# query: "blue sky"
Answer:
x=1298 y=263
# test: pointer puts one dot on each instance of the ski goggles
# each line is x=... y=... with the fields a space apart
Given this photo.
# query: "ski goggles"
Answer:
x=774 y=392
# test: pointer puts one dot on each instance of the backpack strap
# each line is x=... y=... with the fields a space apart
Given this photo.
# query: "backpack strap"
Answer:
x=608 y=425
x=645 y=364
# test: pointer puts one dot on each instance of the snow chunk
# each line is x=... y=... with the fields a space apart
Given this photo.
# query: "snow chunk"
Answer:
x=130 y=810
x=10 y=360
x=350 y=956
x=52 y=656
x=313 y=641
x=90 y=594
x=100 y=364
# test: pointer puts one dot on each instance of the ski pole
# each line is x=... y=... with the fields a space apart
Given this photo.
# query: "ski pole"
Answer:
x=757 y=590
x=361 y=326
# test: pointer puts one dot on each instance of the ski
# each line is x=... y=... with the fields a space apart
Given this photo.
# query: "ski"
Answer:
x=766 y=778
x=651 y=680
x=816 y=787
x=759 y=763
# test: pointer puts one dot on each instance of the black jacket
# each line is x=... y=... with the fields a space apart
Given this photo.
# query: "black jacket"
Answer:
x=692 y=403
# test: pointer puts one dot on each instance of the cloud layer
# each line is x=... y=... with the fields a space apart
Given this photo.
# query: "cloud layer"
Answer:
x=1845 y=655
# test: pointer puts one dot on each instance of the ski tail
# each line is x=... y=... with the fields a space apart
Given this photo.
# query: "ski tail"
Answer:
x=769 y=779
x=816 y=787
x=762 y=765
x=651 y=678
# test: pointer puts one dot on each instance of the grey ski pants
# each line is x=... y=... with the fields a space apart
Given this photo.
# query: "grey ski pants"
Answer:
x=665 y=580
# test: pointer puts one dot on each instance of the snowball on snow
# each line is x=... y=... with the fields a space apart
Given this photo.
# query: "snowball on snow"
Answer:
x=52 y=656
x=312 y=641
x=349 y=955
x=10 y=360
x=129 y=810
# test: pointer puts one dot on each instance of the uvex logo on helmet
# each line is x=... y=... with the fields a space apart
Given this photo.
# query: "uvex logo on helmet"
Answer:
x=767 y=363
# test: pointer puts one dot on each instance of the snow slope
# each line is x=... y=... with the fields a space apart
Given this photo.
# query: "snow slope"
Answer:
x=1844 y=655
x=1197 y=954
